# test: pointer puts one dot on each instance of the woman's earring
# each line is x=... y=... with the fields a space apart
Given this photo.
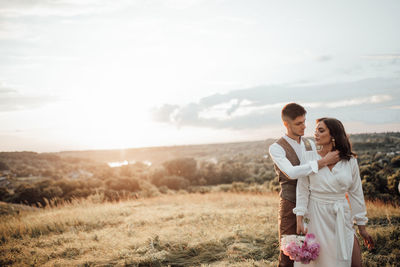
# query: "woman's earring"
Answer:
x=333 y=142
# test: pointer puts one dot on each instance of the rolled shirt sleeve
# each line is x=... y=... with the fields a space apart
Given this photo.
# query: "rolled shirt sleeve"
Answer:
x=314 y=166
x=278 y=155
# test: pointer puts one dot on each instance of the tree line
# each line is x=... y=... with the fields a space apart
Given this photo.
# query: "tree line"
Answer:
x=34 y=179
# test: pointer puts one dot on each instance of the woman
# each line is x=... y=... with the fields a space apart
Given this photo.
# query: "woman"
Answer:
x=321 y=197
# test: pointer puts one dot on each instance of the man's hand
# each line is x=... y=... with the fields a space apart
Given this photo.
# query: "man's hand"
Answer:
x=300 y=229
x=329 y=159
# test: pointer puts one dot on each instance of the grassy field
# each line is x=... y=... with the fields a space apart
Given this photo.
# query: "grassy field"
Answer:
x=214 y=229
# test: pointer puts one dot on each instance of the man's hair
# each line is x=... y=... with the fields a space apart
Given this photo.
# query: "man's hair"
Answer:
x=292 y=111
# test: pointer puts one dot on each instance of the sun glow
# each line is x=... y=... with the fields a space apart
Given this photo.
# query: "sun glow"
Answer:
x=113 y=121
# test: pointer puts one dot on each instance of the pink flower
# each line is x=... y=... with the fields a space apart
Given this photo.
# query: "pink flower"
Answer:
x=299 y=248
x=310 y=236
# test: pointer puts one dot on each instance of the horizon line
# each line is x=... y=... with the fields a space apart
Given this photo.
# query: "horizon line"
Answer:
x=170 y=146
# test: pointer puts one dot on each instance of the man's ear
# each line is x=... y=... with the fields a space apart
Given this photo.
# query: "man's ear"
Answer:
x=285 y=123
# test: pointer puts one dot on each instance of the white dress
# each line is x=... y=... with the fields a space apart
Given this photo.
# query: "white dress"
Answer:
x=321 y=197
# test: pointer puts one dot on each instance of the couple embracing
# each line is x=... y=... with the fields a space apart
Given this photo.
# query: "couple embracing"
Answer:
x=314 y=185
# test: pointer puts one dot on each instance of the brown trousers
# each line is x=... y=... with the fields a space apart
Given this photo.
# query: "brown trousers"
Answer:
x=287 y=226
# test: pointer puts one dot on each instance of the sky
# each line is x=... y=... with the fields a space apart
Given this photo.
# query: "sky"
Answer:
x=110 y=74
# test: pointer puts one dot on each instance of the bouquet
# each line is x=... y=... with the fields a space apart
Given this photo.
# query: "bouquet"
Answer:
x=300 y=248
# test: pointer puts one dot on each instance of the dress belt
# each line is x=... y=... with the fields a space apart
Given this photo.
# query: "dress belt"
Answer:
x=338 y=201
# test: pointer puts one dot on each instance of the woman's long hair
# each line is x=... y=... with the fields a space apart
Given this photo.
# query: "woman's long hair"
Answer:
x=342 y=142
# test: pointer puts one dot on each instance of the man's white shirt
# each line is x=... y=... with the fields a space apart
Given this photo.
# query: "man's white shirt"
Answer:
x=278 y=155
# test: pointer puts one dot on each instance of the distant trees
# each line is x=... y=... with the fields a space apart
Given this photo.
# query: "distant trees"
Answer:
x=36 y=177
x=393 y=185
x=4 y=166
x=123 y=184
x=176 y=174
x=129 y=180
x=4 y=194
x=395 y=162
x=174 y=182
x=183 y=167
x=210 y=173
x=27 y=194
x=381 y=178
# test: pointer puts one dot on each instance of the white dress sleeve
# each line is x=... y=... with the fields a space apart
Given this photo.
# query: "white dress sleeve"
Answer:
x=303 y=184
x=302 y=194
x=356 y=195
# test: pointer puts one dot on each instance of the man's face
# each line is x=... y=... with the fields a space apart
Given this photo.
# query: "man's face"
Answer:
x=297 y=126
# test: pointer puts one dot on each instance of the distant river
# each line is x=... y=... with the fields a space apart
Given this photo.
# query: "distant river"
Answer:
x=125 y=162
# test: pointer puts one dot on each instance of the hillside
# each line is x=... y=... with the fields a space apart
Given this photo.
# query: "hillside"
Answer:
x=157 y=155
x=384 y=142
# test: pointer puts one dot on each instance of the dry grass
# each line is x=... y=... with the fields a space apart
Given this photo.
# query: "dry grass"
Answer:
x=190 y=229
x=379 y=209
x=215 y=229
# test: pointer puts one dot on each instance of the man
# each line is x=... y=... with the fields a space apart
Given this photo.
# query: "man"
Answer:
x=288 y=156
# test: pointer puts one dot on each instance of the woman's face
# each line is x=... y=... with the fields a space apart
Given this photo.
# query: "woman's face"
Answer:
x=322 y=135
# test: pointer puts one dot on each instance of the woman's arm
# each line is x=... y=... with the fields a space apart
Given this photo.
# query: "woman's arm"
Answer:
x=302 y=195
x=356 y=195
x=300 y=229
x=368 y=242
x=358 y=209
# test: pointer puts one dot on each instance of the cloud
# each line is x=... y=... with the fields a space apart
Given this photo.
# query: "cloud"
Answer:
x=180 y=5
x=382 y=56
x=371 y=100
x=18 y=102
x=324 y=58
x=37 y=58
x=237 y=20
x=6 y=90
x=60 y=8
x=164 y=113
x=374 y=99
x=11 y=100
x=384 y=59
x=234 y=109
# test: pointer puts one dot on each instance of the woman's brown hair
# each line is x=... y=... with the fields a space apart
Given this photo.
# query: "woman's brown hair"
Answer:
x=342 y=142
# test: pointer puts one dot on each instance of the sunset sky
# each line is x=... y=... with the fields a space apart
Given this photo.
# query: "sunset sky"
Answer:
x=103 y=74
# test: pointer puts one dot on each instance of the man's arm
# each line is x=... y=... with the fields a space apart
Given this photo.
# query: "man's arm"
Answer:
x=330 y=158
x=278 y=155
